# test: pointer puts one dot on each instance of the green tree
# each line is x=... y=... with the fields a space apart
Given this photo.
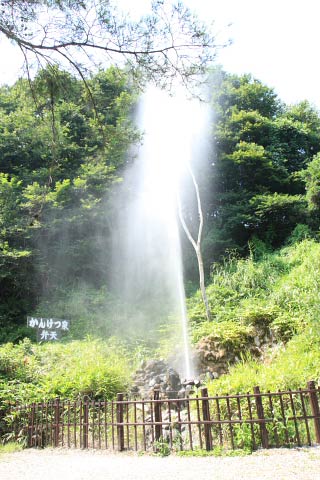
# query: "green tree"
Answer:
x=252 y=187
x=15 y=259
x=274 y=216
x=57 y=170
x=311 y=176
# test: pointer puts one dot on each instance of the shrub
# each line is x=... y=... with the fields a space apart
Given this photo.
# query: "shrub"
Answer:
x=31 y=372
x=287 y=367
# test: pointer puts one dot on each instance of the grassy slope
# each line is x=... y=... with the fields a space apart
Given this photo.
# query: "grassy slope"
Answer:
x=281 y=290
x=32 y=373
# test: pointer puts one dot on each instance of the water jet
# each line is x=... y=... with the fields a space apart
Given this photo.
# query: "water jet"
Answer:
x=147 y=240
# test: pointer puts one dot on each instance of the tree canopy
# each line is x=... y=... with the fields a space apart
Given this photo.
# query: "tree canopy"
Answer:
x=264 y=156
x=63 y=153
x=57 y=167
x=169 y=42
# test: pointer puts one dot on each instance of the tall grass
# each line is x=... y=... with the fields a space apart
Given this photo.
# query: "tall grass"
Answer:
x=281 y=292
x=291 y=366
x=92 y=367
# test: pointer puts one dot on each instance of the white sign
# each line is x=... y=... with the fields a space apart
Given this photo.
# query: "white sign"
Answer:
x=48 y=329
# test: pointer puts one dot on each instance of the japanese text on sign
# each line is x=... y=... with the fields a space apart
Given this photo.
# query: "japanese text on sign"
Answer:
x=48 y=329
x=48 y=323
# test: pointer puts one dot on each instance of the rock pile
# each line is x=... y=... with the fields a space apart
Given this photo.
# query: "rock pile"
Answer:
x=215 y=358
x=212 y=358
x=159 y=375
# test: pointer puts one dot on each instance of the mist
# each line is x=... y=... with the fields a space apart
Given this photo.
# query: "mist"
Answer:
x=127 y=279
x=147 y=271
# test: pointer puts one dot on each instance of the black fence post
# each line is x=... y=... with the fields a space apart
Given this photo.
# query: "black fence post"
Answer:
x=157 y=416
x=2 y=423
x=56 y=422
x=314 y=408
x=85 y=422
x=120 y=427
x=261 y=417
x=31 y=418
x=206 y=418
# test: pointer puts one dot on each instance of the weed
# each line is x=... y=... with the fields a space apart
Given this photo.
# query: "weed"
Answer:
x=10 y=447
x=162 y=447
x=216 y=452
x=243 y=437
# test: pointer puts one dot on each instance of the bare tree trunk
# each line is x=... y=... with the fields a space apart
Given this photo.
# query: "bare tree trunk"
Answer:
x=196 y=243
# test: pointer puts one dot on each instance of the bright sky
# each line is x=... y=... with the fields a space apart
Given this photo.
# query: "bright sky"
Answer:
x=275 y=40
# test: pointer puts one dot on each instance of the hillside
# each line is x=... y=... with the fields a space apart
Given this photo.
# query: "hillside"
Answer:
x=61 y=199
x=274 y=293
x=266 y=319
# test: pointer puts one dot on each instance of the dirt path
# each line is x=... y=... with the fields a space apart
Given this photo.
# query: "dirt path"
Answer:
x=302 y=464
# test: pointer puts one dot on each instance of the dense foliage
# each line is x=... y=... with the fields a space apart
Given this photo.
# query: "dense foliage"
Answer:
x=278 y=291
x=264 y=158
x=34 y=373
x=63 y=152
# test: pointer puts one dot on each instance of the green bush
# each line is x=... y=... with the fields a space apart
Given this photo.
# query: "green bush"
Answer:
x=278 y=293
x=232 y=335
x=31 y=372
x=286 y=367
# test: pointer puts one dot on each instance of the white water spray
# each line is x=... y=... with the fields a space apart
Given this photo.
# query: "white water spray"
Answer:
x=172 y=129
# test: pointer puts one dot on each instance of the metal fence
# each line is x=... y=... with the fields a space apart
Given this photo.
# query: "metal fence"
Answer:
x=253 y=420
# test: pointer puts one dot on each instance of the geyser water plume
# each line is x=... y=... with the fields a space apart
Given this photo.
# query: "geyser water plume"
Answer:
x=147 y=244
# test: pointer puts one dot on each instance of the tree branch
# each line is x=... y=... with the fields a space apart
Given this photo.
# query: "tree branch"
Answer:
x=196 y=243
x=168 y=43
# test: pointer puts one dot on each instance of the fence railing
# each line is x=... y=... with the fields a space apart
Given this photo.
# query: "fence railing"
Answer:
x=252 y=420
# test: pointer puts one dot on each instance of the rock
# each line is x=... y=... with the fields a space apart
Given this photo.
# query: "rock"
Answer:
x=221 y=353
x=139 y=383
x=209 y=357
x=173 y=379
x=189 y=390
x=256 y=351
x=197 y=383
x=182 y=393
x=188 y=382
x=157 y=375
x=257 y=341
x=170 y=393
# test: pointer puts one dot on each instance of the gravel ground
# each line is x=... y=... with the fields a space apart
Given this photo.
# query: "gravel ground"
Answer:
x=276 y=464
